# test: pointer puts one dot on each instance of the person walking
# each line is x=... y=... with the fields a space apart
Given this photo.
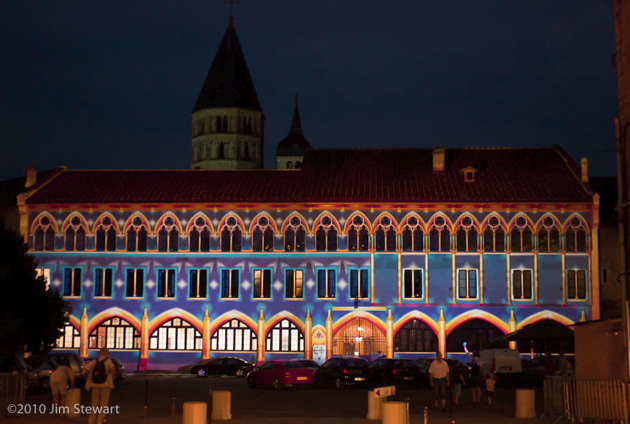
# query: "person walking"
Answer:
x=100 y=382
x=438 y=374
x=59 y=380
x=458 y=379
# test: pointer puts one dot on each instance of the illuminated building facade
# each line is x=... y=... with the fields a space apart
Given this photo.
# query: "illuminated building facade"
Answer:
x=396 y=252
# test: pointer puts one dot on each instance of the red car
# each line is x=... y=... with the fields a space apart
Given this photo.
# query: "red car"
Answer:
x=279 y=374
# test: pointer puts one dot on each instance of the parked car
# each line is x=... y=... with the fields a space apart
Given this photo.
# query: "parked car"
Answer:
x=393 y=371
x=119 y=373
x=223 y=366
x=278 y=374
x=342 y=372
x=312 y=365
x=39 y=369
x=503 y=362
x=72 y=360
x=187 y=369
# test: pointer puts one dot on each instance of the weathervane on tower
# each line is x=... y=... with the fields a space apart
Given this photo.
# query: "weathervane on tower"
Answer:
x=231 y=3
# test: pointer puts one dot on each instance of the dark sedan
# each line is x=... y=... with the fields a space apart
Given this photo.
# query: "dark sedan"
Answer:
x=393 y=371
x=342 y=372
x=278 y=374
x=223 y=366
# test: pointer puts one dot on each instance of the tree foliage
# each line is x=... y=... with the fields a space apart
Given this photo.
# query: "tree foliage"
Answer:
x=31 y=316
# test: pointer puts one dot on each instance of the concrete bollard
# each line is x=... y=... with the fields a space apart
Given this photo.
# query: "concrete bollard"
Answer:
x=394 y=412
x=73 y=397
x=375 y=406
x=525 y=403
x=221 y=405
x=195 y=412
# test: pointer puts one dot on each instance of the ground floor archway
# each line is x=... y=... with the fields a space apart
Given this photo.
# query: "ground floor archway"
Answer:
x=359 y=336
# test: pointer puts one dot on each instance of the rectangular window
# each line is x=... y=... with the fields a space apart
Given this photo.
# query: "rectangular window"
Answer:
x=262 y=284
x=135 y=282
x=229 y=283
x=294 y=284
x=467 y=284
x=522 y=284
x=198 y=284
x=44 y=272
x=166 y=284
x=412 y=284
x=326 y=283
x=72 y=282
x=576 y=285
x=103 y=282
x=359 y=284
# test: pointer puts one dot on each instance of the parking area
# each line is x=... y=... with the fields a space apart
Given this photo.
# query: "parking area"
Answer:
x=269 y=405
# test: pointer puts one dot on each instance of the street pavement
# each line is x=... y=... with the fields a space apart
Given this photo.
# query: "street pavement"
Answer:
x=266 y=406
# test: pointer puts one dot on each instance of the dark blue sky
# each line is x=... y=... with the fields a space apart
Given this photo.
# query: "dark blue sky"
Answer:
x=93 y=85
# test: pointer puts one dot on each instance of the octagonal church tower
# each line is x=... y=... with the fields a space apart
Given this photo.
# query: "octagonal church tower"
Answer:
x=227 y=121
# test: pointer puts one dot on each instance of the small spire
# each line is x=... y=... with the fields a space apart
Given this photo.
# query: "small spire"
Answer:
x=512 y=315
x=389 y=315
x=145 y=312
x=206 y=315
x=84 y=315
x=296 y=125
x=441 y=314
x=329 y=317
x=583 y=317
x=308 y=313
x=261 y=316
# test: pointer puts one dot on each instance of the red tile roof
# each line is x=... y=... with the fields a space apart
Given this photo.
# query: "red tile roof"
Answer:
x=515 y=175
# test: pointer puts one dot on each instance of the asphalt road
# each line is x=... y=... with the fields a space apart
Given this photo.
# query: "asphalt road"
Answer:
x=253 y=404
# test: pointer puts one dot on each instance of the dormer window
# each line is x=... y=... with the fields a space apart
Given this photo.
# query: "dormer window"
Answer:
x=469 y=173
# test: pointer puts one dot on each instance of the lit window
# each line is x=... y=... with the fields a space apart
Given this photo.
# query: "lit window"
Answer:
x=114 y=333
x=75 y=235
x=103 y=282
x=548 y=236
x=166 y=283
x=45 y=274
x=198 y=284
x=137 y=236
x=229 y=283
x=234 y=335
x=576 y=236
x=439 y=236
x=176 y=334
x=359 y=284
x=576 y=285
x=168 y=236
x=521 y=236
x=294 y=284
x=72 y=282
x=522 y=285
x=494 y=236
x=69 y=339
x=262 y=237
x=467 y=236
x=262 y=284
x=135 y=282
x=412 y=284
x=285 y=337
x=326 y=283
x=467 y=284
x=294 y=236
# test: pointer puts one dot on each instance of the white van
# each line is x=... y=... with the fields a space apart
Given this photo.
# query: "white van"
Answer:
x=501 y=361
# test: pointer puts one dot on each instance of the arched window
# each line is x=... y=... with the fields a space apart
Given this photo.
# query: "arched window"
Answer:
x=285 y=337
x=494 y=236
x=75 y=235
x=467 y=236
x=385 y=235
x=221 y=151
x=412 y=235
x=476 y=333
x=289 y=165
x=231 y=236
x=262 y=236
x=106 y=236
x=415 y=336
x=44 y=238
x=326 y=236
x=175 y=334
x=69 y=339
x=576 y=236
x=298 y=165
x=199 y=236
x=439 y=236
x=521 y=236
x=548 y=236
x=137 y=236
x=168 y=236
x=294 y=236
x=234 y=335
x=358 y=236
x=246 y=152
x=225 y=124
x=114 y=333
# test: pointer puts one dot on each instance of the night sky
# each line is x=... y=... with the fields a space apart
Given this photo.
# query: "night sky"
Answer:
x=111 y=85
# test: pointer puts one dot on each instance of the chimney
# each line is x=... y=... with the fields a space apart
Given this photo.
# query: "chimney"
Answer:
x=438 y=160
x=31 y=176
x=584 y=163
